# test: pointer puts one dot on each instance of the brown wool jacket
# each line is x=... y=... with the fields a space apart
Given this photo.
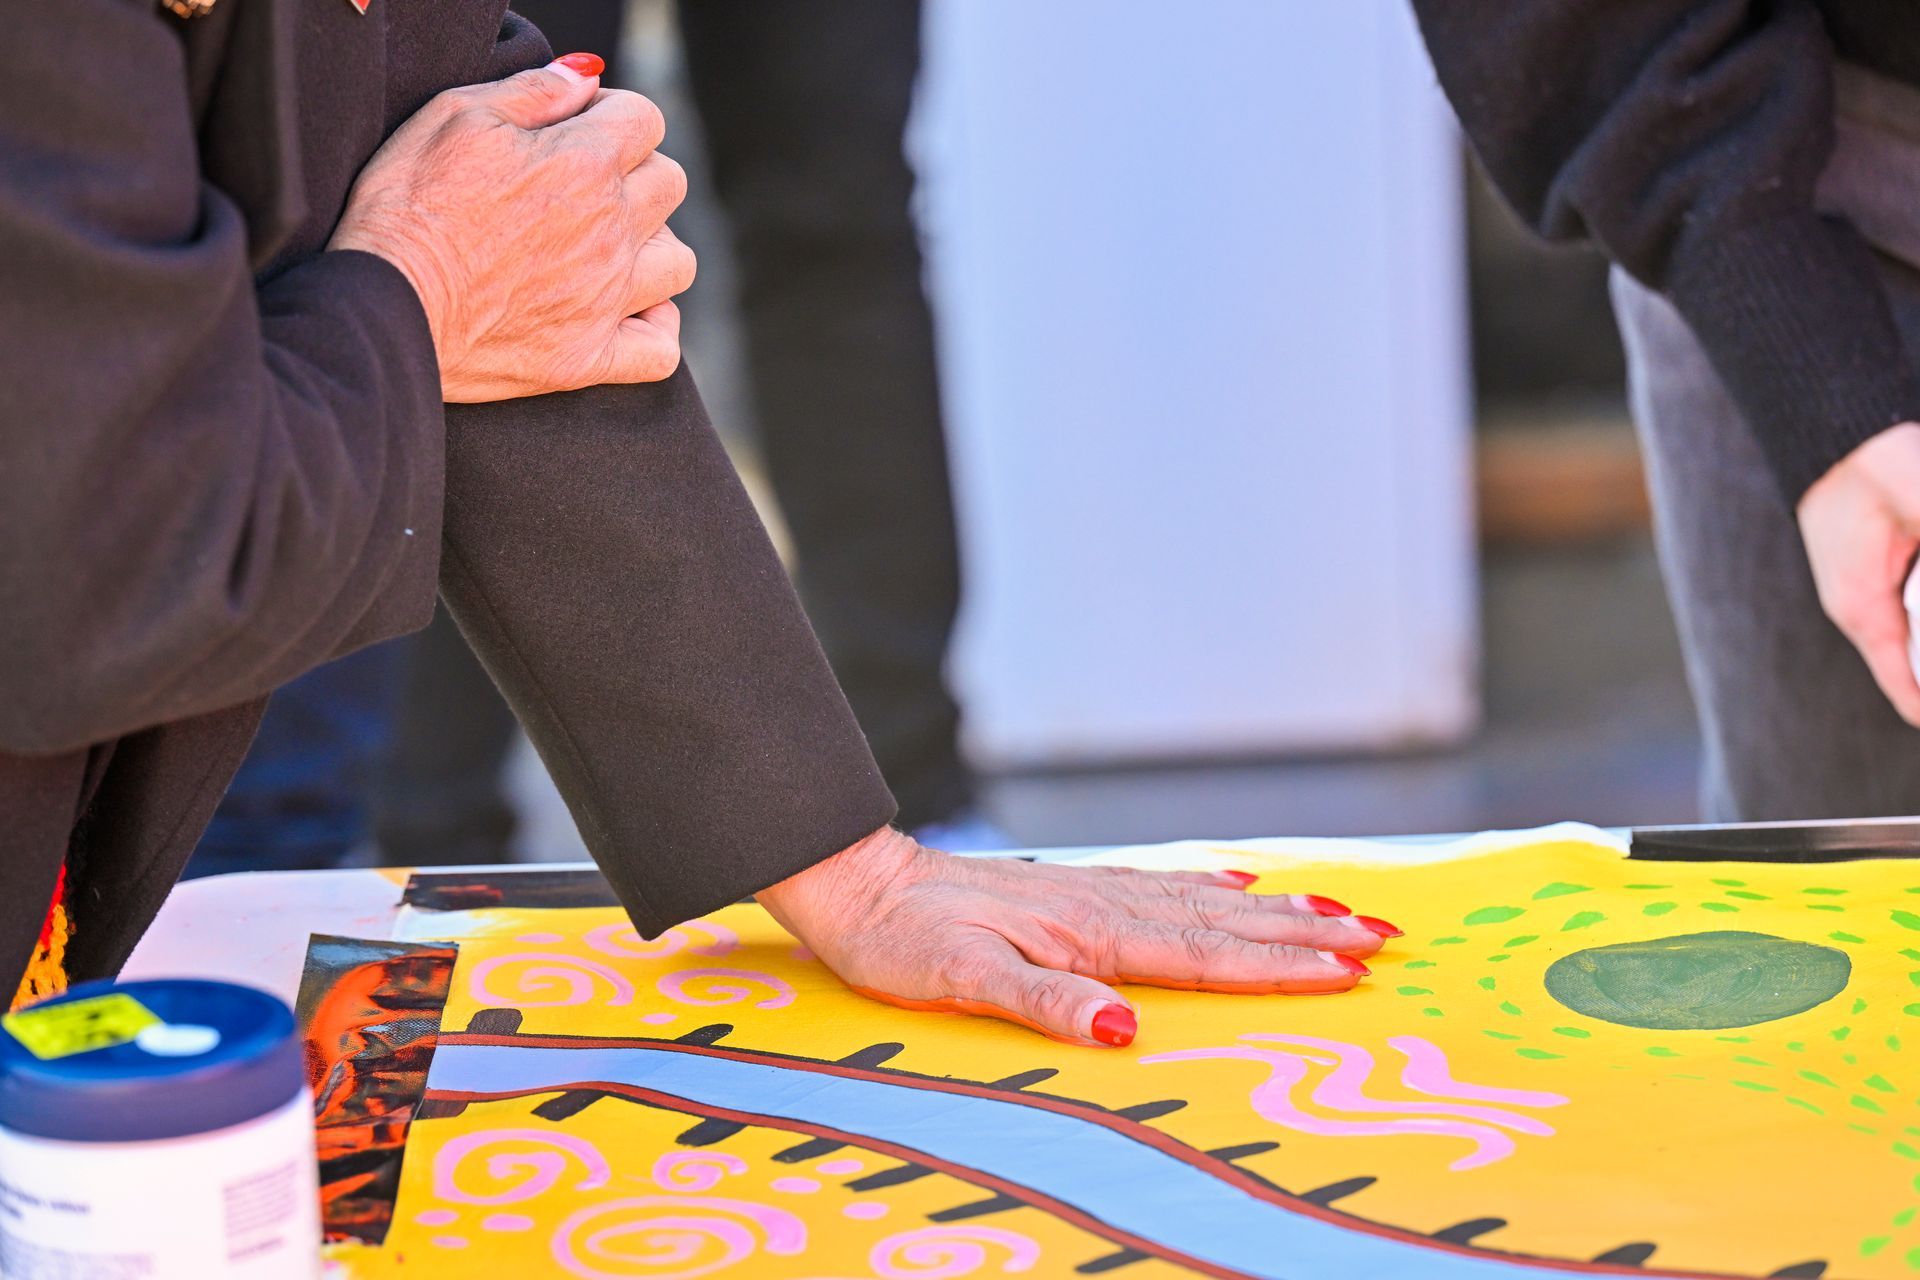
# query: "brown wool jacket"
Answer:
x=223 y=461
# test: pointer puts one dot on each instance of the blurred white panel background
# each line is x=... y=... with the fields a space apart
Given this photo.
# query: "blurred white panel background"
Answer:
x=1200 y=278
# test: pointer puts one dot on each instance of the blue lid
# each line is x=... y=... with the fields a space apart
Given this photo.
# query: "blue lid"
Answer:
x=212 y=1054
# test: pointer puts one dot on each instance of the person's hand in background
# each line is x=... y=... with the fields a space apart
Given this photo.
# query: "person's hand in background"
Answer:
x=530 y=216
x=1861 y=524
x=1038 y=944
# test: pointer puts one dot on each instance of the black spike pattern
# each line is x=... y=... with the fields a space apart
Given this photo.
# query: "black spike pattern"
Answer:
x=567 y=1105
x=708 y=1132
x=1337 y=1190
x=811 y=1149
x=1464 y=1232
x=977 y=1209
x=1244 y=1150
x=494 y=1022
x=889 y=1178
x=1628 y=1255
x=873 y=1055
x=1110 y=1262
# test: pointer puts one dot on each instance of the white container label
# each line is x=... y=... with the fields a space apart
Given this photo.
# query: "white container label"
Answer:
x=236 y=1204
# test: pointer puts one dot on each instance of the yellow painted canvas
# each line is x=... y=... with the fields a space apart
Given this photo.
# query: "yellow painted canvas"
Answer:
x=1574 y=1062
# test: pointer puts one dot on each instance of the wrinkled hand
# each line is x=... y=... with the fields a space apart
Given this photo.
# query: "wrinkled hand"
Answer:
x=530 y=216
x=1039 y=944
x=1861 y=524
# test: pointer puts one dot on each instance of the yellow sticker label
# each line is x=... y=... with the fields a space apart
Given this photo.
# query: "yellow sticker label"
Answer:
x=62 y=1030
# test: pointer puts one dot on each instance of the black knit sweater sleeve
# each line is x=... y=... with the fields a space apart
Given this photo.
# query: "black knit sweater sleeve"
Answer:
x=1685 y=138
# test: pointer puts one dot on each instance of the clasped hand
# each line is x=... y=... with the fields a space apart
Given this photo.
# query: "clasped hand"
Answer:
x=530 y=215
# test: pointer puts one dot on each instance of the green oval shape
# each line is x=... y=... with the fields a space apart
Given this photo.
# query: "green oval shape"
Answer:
x=1698 y=981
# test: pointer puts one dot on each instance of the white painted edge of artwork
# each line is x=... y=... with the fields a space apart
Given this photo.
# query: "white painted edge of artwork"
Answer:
x=1213 y=855
x=410 y=924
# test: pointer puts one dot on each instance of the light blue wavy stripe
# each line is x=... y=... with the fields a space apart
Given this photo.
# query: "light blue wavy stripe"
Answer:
x=1111 y=1177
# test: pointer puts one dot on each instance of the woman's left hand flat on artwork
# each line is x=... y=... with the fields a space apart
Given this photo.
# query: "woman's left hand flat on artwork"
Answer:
x=1041 y=944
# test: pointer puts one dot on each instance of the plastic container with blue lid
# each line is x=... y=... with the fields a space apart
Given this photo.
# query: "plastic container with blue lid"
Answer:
x=161 y=1129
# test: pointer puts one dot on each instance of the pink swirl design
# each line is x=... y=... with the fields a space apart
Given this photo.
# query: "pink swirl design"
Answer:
x=1341 y=1090
x=695 y=1170
x=726 y=986
x=671 y=1237
x=1428 y=1072
x=574 y=976
x=622 y=939
x=939 y=1253
x=542 y=1168
x=1344 y=1089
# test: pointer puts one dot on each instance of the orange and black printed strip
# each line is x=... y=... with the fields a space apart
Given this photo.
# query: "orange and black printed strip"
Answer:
x=370 y=1013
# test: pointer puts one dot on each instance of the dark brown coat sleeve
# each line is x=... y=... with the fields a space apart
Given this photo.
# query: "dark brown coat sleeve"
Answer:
x=611 y=573
x=608 y=568
x=206 y=486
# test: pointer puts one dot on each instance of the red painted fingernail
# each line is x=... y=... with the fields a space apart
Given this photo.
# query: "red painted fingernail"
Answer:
x=1241 y=878
x=1379 y=926
x=584 y=65
x=1348 y=963
x=1115 y=1025
x=1322 y=906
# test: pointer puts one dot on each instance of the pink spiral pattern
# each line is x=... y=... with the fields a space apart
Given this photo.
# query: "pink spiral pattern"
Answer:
x=622 y=939
x=726 y=986
x=572 y=980
x=940 y=1253
x=671 y=1237
x=1341 y=1091
x=695 y=1170
x=539 y=1170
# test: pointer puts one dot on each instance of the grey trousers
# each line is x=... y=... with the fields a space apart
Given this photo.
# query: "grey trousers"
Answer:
x=1793 y=725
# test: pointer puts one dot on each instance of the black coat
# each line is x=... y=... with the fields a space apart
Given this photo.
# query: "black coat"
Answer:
x=223 y=461
x=1686 y=139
